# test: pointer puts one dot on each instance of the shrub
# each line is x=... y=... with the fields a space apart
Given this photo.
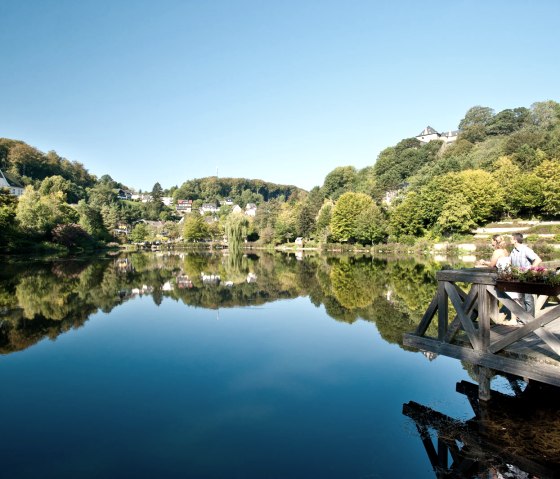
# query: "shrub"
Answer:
x=71 y=235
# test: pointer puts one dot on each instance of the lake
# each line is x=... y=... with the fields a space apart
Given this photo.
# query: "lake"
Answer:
x=246 y=366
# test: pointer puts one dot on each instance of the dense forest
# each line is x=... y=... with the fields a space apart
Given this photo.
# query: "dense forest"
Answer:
x=502 y=165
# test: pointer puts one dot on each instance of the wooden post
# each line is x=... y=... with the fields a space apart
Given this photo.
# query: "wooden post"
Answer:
x=484 y=310
x=443 y=310
x=494 y=309
x=484 y=375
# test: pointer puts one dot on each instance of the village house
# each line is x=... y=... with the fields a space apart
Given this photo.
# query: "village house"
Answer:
x=183 y=206
x=167 y=200
x=228 y=202
x=208 y=208
x=6 y=181
x=124 y=194
x=251 y=209
x=122 y=229
x=143 y=197
x=429 y=134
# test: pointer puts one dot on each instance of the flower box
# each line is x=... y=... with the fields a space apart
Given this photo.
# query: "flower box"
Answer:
x=528 y=287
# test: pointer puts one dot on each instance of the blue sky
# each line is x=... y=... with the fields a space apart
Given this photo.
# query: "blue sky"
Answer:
x=284 y=91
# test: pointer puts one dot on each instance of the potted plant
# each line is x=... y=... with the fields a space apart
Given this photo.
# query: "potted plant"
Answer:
x=535 y=280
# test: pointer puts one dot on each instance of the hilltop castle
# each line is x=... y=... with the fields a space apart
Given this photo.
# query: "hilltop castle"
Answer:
x=429 y=134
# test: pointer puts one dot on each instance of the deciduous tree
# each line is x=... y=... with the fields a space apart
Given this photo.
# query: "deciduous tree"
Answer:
x=347 y=212
x=195 y=228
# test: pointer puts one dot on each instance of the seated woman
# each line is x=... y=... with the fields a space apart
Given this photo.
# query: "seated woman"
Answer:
x=500 y=257
x=501 y=260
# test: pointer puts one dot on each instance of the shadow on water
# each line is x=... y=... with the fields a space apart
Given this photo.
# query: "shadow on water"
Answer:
x=514 y=436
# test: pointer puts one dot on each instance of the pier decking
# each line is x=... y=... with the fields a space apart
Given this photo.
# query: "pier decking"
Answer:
x=530 y=350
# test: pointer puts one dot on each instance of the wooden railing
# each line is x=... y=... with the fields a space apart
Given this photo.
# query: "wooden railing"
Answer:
x=531 y=350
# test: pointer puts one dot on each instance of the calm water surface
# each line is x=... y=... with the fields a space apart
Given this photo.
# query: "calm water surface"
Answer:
x=152 y=366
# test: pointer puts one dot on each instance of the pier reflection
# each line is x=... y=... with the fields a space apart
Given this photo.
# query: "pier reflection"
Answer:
x=515 y=436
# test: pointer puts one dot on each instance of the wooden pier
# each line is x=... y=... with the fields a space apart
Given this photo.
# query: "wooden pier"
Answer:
x=475 y=334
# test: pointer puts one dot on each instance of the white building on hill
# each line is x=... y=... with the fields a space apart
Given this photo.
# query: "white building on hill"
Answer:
x=429 y=134
x=13 y=186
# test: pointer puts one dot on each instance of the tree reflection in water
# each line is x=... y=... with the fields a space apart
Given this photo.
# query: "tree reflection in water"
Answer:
x=514 y=436
x=45 y=299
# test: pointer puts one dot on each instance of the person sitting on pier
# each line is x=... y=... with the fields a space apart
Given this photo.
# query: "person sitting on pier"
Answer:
x=500 y=257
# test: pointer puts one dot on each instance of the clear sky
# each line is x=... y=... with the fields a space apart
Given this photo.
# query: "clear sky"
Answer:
x=280 y=90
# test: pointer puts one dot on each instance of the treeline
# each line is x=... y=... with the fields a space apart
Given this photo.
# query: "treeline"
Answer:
x=64 y=207
x=27 y=165
x=503 y=165
x=240 y=190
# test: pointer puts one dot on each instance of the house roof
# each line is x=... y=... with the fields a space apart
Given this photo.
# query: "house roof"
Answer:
x=11 y=180
x=451 y=133
x=428 y=131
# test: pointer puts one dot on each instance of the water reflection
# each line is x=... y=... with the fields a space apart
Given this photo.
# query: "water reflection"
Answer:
x=510 y=436
x=40 y=300
x=181 y=393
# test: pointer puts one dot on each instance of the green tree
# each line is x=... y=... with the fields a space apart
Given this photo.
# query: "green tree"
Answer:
x=407 y=217
x=157 y=193
x=475 y=123
x=421 y=210
x=57 y=184
x=111 y=216
x=482 y=155
x=306 y=225
x=507 y=121
x=26 y=161
x=139 y=233
x=172 y=229
x=266 y=217
x=339 y=181
x=236 y=229
x=366 y=181
x=456 y=216
x=91 y=220
x=477 y=116
x=38 y=214
x=549 y=172
x=481 y=191
x=195 y=228
x=347 y=212
x=101 y=194
x=8 y=224
x=545 y=114
x=323 y=220
x=396 y=165
x=525 y=195
x=286 y=228
x=371 y=227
